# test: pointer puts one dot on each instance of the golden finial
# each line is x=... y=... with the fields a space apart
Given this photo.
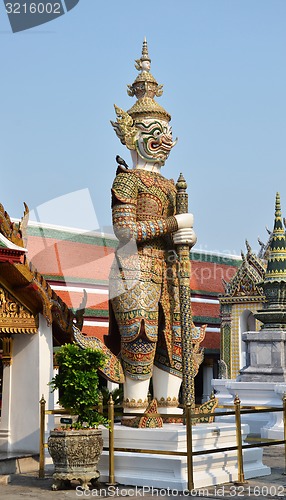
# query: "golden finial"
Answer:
x=278 y=206
x=181 y=184
x=143 y=64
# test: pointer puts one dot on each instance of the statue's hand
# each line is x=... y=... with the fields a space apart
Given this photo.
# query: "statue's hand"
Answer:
x=185 y=236
x=185 y=220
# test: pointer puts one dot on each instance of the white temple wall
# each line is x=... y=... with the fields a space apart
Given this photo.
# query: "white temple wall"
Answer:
x=29 y=374
x=5 y=413
x=247 y=323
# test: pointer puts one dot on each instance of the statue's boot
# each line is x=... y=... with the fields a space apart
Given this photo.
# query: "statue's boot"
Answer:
x=149 y=419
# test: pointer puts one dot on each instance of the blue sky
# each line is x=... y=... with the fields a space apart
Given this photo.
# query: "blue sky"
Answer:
x=222 y=63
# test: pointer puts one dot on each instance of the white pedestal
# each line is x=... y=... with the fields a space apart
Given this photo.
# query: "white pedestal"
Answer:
x=170 y=471
x=253 y=394
x=274 y=429
x=221 y=392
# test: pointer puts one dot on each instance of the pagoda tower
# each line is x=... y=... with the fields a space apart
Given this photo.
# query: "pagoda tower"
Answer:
x=273 y=314
x=266 y=349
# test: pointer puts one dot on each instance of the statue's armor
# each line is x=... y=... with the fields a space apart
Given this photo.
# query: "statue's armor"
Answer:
x=143 y=279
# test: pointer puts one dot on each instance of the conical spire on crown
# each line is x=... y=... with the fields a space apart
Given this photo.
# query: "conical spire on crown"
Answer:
x=276 y=265
x=145 y=88
x=139 y=63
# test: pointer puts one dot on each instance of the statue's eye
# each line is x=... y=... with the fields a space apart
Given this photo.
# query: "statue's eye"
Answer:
x=156 y=133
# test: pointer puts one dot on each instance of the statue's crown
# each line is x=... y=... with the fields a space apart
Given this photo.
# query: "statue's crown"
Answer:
x=145 y=88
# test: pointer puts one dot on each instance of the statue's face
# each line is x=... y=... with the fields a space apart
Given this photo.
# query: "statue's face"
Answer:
x=146 y=65
x=154 y=141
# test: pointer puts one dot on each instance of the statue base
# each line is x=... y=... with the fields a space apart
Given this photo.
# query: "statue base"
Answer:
x=170 y=471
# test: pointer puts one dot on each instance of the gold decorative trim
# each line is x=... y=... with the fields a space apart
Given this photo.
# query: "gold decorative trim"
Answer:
x=208 y=408
x=7 y=347
x=132 y=403
x=168 y=402
x=15 y=318
x=243 y=300
x=146 y=107
x=14 y=232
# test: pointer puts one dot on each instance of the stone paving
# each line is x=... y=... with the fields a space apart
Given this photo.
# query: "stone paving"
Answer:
x=270 y=487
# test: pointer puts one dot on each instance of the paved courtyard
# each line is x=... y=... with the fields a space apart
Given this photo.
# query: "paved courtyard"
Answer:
x=270 y=487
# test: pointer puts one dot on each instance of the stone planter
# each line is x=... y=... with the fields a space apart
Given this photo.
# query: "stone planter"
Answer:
x=75 y=454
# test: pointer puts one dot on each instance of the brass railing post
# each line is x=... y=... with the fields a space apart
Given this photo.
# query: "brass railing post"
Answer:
x=239 y=440
x=284 y=423
x=100 y=403
x=188 y=409
x=111 y=439
x=42 y=438
x=149 y=396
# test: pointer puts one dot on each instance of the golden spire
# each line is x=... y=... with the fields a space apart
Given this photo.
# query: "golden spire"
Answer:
x=272 y=315
x=145 y=57
x=145 y=88
x=276 y=265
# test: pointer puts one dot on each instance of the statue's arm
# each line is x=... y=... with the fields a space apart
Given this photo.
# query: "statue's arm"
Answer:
x=126 y=227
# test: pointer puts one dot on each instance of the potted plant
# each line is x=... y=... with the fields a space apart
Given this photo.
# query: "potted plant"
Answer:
x=76 y=449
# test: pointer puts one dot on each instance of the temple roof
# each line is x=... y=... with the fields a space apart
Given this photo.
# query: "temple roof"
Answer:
x=266 y=268
x=8 y=245
x=245 y=286
x=25 y=284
